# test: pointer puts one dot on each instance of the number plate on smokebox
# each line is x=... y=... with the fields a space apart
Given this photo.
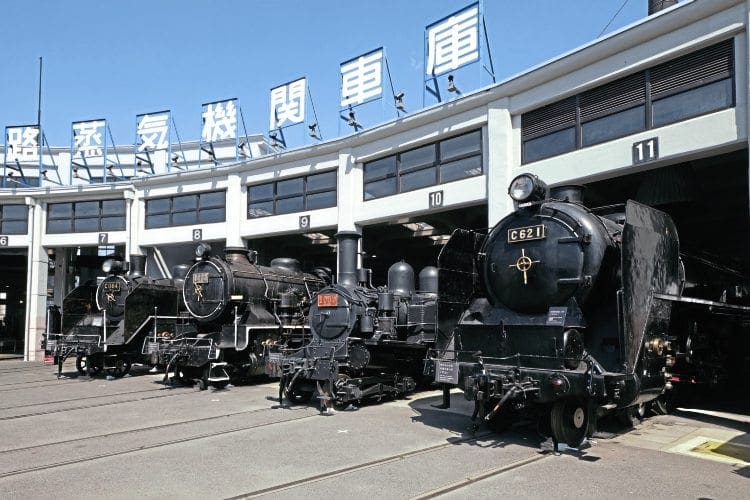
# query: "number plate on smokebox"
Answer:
x=518 y=234
x=328 y=300
x=200 y=278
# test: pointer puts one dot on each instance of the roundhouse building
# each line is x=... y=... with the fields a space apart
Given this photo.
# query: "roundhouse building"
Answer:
x=656 y=112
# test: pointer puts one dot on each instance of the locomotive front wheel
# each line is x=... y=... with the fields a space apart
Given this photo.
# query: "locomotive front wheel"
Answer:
x=82 y=364
x=569 y=421
x=297 y=396
x=630 y=417
x=121 y=368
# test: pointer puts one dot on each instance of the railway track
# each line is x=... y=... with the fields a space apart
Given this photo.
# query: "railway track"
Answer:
x=171 y=392
x=328 y=475
x=151 y=446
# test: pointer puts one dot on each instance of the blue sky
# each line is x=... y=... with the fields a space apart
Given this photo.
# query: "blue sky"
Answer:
x=114 y=60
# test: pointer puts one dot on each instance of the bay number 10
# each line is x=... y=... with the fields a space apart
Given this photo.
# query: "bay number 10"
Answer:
x=435 y=199
x=645 y=151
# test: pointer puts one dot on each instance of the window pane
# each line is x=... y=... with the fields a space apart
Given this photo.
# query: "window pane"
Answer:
x=87 y=209
x=712 y=97
x=418 y=179
x=290 y=186
x=260 y=209
x=461 y=145
x=59 y=226
x=113 y=223
x=380 y=168
x=157 y=206
x=380 y=188
x=184 y=218
x=416 y=158
x=552 y=144
x=113 y=207
x=318 y=182
x=154 y=221
x=60 y=210
x=215 y=199
x=260 y=192
x=86 y=225
x=15 y=227
x=180 y=203
x=321 y=200
x=468 y=167
x=212 y=215
x=617 y=125
x=15 y=212
x=289 y=205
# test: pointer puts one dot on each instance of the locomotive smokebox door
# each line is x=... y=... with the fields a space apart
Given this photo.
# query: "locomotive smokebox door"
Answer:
x=650 y=264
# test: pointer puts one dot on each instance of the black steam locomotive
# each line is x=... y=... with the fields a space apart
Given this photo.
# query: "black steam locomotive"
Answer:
x=242 y=310
x=105 y=326
x=558 y=310
x=564 y=312
x=367 y=343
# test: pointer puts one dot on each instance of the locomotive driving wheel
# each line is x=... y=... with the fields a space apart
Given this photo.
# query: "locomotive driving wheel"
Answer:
x=569 y=421
x=85 y=363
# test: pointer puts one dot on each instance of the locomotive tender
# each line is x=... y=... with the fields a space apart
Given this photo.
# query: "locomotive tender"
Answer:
x=367 y=343
x=105 y=326
x=242 y=311
x=559 y=311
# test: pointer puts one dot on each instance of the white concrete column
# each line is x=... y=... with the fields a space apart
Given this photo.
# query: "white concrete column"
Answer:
x=349 y=190
x=502 y=156
x=236 y=208
x=36 y=289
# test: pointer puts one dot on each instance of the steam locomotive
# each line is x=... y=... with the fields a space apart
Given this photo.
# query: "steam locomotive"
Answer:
x=563 y=312
x=367 y=343
x=106 y=326
x=242 y=310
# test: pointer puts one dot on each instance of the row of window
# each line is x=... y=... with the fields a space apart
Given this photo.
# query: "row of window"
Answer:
x=695 y=84
x=185 y=210
x=14 y=219
x=437 y=163
x=86 y=216
x=298 y=194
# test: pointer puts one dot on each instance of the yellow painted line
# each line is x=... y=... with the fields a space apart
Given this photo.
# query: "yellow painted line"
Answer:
x=725 y=450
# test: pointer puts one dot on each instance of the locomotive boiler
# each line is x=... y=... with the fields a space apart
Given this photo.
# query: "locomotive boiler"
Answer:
x=105 y=326
x=242 y=311
x=367 y=343
x=559 y=311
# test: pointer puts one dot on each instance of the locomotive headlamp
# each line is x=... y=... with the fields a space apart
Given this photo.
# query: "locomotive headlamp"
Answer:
x=527 y=187
x=112 y=266
x=203 y=250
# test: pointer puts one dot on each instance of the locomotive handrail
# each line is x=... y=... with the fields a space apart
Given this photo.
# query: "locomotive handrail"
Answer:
x=704 y=302
x=155 y=318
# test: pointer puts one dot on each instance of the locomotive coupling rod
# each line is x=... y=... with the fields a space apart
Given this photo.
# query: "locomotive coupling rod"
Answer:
x=512 y=392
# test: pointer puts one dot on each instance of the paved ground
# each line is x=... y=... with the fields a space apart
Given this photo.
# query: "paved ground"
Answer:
x=132 y=437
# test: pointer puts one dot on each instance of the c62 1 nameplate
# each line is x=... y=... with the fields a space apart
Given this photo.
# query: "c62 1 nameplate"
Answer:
x=519 y=234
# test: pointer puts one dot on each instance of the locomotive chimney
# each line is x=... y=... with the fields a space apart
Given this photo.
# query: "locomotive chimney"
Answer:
x=655 y=6
x=347 y=257
x=137 y=265
x=570 y=193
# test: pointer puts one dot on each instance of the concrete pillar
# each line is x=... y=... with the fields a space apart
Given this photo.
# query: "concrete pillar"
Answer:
x=502 y=157
x=236 y=208
x=36 y=290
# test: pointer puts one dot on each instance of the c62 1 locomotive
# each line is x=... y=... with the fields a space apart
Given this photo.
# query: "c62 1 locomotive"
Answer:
x=242 y=310
x=106 y=326
x=367 y=343
x=558 y=310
